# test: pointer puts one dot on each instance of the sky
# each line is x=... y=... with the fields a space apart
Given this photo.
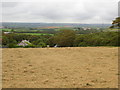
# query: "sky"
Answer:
x=59 y=11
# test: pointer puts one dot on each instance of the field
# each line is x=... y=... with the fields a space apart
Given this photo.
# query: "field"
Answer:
x=5 y=29
x=75 y=67
x=35 y=34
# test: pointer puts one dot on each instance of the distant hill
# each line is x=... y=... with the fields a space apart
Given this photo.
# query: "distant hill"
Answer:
x=32 y=25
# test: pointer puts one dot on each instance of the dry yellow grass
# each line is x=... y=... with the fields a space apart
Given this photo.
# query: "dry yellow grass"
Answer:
x=77 y=67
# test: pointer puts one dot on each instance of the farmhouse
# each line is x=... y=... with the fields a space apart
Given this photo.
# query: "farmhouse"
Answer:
x=7 y=32
x=24 y=43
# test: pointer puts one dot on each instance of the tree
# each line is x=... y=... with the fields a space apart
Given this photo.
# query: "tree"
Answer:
x=5 y=40
x=65 y=38
x=12 y=30
x=40 y=42
x=116 y=23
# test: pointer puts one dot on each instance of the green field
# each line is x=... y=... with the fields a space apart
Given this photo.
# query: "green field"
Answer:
x=5 y=29
x=35 y=33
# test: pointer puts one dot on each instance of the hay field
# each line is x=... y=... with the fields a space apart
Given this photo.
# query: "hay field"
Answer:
x=75 y=67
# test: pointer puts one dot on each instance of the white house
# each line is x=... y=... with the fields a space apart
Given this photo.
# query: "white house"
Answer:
x=24 y=43
x=7 y=32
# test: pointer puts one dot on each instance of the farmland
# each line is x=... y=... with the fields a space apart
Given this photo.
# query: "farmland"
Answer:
x=70 y=67
x=65 y=35
x=35 y=34
x=60 y=56
x=5 y=29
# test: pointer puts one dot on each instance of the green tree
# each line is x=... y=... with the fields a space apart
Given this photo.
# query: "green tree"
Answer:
x=116 y=23
x=5 y=40
x=65 y=38
x=12 y=30
x=41 y=44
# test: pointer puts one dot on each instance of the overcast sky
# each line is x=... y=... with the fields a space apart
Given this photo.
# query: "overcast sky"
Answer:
x=59 y=11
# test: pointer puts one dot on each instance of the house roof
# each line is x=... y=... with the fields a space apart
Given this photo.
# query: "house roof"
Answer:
x=24 y=43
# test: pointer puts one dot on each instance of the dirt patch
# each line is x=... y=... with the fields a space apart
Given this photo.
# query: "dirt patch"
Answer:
x=77 y=67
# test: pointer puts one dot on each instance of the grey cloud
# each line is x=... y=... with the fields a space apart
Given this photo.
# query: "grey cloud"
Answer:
x=9 y=4
x=82 y=11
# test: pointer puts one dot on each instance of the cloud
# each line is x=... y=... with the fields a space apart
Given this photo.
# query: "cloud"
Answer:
x=66 y=11
x=9 y=4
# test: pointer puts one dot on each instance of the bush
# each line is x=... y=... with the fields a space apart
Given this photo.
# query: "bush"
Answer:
x=41 y=44
x=11 y=45
x=29 y=46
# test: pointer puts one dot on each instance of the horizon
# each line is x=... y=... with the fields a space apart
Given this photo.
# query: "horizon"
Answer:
x=56 y=23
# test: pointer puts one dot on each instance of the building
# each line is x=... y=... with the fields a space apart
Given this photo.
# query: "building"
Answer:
x=7 y=32
x=24 y=43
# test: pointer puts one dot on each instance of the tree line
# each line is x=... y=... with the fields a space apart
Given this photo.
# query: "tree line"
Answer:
x=64 y=38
